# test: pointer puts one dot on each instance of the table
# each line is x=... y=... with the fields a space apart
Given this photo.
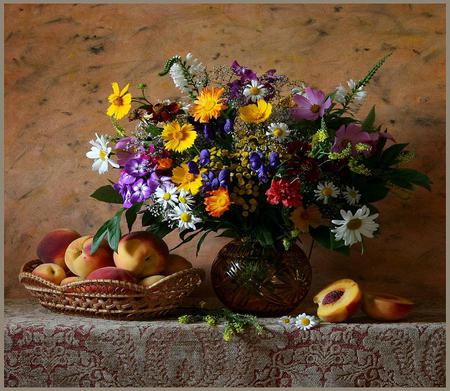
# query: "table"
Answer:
x=45 y=349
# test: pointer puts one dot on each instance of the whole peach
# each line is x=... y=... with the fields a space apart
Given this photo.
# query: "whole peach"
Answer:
x=111 y=273
x=147 y=281
x=81 y=262
x=70 y=279
x=141 y=253
x=386 y=307
x=52 y=246
x=50 y=272
x=176 y=263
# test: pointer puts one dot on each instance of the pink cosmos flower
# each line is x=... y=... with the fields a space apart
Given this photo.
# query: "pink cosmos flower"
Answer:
x=311 y=106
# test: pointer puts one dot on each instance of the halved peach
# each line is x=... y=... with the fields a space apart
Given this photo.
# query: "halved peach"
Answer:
x=338 y=301
x=384 y=306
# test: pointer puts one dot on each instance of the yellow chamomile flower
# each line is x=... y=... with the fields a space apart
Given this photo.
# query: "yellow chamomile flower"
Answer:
x=178 y=137
x=255 y=114
x=186 y=180
x=120 y=102
x=208 y=104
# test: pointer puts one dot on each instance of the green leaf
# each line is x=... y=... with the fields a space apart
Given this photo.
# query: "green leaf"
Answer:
x=200 y=242
x=406 y=177
x=111 y=230
x=228 y=233
x=114 y=232
x=107 y=194
x=390 y=155
x=185 y=239
x=160 y=229
x=131 y=215
x=325 y=237
x=367 y=124
x=153 y=130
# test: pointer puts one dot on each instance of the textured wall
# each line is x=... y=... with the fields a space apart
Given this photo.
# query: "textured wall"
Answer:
x=60 y=60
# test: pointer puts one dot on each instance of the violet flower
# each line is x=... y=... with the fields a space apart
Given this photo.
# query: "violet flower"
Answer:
x=137 y=167
x=193 y=168
x=204 y=157
x=352 y=134
x=274 y=160
x=262 y=174
x=229 y=126
x=255 y=160
x=312 y=106
x=127 y=148
x=142 y=190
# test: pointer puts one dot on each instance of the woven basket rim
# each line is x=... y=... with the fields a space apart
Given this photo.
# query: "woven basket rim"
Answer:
x=130 y=285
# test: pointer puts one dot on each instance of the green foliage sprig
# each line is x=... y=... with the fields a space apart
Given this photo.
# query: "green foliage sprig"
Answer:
x=234 y=323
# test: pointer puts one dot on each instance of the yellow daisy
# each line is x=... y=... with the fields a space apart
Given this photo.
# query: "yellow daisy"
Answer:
x=255 y=114
x=178 y=137
x=120 y=102
x=186 y=180
x=208 y=104
x=303 y=218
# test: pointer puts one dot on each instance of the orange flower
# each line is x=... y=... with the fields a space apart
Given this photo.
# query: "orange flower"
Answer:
x=165 y=163
x=218 y=202
x=208 y=104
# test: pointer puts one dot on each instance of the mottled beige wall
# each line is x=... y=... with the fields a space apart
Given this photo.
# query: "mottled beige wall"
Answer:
x=60 y=60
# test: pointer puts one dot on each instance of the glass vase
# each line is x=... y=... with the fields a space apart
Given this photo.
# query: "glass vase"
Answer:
x=253 y=280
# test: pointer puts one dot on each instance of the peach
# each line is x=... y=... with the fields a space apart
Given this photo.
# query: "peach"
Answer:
x=52 y=247
x=50 y=272
x=384 y=306
x=141 y=253
x=176 y=263
x=338 y=301
x=70 y=279
x=79 y=260
x=147 y=281
x=111 y=273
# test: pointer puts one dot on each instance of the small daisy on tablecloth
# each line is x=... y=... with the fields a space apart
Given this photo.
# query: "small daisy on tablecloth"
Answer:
x=306 y=322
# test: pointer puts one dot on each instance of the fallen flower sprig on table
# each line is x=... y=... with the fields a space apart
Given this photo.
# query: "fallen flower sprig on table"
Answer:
x=301 y=321
x=234 y=323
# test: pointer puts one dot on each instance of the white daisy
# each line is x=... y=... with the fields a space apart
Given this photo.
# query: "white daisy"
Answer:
x=278 y=131
x=184 y=217
x=287 y=320
x=100 y=154
x=351 y=195
x=305 y=322
x=325 y=190
x=166 y=196
x=255 y=91
x=185 y=198
x=353 y=226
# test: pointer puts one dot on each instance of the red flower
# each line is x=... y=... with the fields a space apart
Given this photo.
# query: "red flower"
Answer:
x=285 y=192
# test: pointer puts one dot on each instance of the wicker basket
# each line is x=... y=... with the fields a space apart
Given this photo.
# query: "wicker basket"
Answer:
x=112 y=299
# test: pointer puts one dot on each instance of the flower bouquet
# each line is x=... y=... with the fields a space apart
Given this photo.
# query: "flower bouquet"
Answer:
x=259 y=158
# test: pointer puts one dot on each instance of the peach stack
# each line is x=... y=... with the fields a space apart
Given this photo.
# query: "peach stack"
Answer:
x=338 y=301
x=141 y=257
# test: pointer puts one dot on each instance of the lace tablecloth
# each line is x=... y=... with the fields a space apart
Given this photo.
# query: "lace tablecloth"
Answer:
x=44 y=349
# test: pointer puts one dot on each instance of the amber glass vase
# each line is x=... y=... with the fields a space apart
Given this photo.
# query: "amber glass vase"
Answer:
x=249 y=279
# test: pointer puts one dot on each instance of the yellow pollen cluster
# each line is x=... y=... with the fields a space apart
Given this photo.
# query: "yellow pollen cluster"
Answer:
x=341 y=155
x=319 y=137
x=358 y=168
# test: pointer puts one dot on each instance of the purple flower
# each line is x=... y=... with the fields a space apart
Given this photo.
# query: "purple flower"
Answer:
x=262 y=174
x=204 y=157
x=274 y=160
x=245 y=73
x=229 y=126
x=141 y=191
x=127 y=148
x=157 y=181
x=137 y=167
x=352 y=134
x=312 y=106
x=208 y=132
x=193 y=168
x=255 y=160
x=211 y=182
x=224 y=178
